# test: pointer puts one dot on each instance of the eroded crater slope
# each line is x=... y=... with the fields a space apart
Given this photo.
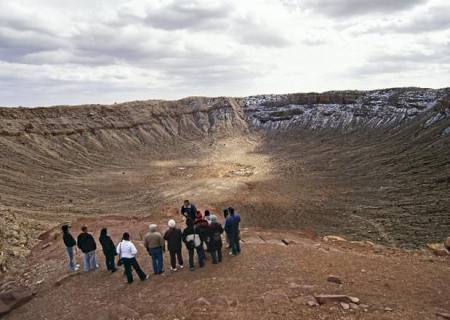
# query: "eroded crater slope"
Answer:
x=368 y=165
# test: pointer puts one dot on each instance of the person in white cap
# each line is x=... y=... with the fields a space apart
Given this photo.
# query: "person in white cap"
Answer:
x=173 y=236
x=154 y=243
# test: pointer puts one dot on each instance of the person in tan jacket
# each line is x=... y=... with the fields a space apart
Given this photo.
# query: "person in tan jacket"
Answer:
x=154 y=243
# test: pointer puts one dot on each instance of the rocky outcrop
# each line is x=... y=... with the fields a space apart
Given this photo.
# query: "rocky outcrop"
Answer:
x=148 y=120
x=14 y=299
x=348 y=110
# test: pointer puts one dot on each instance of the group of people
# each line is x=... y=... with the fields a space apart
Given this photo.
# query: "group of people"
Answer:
x=202 y=230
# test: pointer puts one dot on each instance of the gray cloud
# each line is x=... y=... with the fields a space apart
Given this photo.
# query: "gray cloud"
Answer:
x=348 y=8
x=433 y=19
x=189 y=15
x=385 y=63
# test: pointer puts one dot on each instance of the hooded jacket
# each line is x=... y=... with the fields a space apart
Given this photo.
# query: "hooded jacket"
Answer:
x=109 y=249
x=86 y=242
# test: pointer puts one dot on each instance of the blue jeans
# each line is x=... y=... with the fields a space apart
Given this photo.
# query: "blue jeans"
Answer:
x=157 y=259
x=89 y=261
x=235 y=243
x=71 y=255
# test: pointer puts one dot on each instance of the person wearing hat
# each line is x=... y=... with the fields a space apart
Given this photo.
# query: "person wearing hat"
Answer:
x=154 y=243
x=71 y=247
x=173 y=236
x=215 y=231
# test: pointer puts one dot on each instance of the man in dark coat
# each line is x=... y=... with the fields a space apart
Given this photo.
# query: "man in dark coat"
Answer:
x=174 y=238
x=188 y=210
x=87 y=245
x=193 y=243
x=232 y=229
x=109 y=250
x=215 y=231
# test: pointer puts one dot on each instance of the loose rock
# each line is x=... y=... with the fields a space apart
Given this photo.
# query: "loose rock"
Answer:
x=334 y=279
x=333 y=238
x=14 y=299
x=443 y=315
x=345 y=306
x=438 y=249
x=447 y=244
x=331 y=298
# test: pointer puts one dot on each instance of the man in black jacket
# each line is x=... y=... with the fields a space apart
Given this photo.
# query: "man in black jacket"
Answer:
x=87 y=245
x=173 y=236
x=215 y=240
x=188 y=210
x=71 y=247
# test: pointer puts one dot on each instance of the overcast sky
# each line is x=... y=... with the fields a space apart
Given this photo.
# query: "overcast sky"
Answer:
x=105 y=51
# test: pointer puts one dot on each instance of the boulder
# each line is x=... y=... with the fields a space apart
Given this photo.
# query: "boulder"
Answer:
x=353 y=306
x=333 y=238
x=443 y=315
x=447 y=244
x=345 y=305
x=334 y=279
x=306 y=300
x=13 y=299
x=438 y=249
x=332 y=298
x=202 y=301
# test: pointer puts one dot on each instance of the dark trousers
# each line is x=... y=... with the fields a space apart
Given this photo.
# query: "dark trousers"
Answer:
x=157 y=259
x=110 y=263
x=200 y=256
x=235 y=243
x=173 y=258
x=215 y=248
x=130 y=263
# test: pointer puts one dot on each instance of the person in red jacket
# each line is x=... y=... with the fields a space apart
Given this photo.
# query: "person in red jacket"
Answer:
x=201 y=227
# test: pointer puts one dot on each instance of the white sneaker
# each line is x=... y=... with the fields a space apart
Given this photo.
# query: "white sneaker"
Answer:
x=180 y=266
x=173 y=269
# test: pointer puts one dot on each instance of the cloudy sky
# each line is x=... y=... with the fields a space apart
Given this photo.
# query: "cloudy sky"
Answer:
x=103 y=51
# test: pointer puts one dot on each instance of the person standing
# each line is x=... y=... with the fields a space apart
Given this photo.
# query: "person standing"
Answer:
x=201 y=227
x=225 y=216
x=127 y=254
x=188 y=210
x=109 y=250
x=71 y=247
x=232 y=229
x=193 y=243
x=215 y=240
x=154 y=243
x=87 y=245
x=173 y=236
x=208 y=216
